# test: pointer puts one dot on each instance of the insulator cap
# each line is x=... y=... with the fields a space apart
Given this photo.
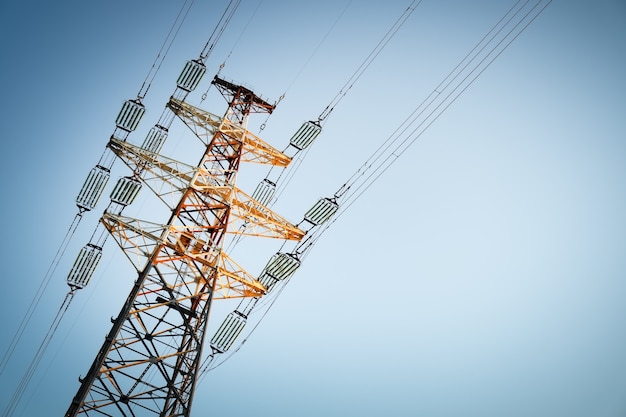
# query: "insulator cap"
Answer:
x=191 y=75
x=84 y=266
x=305 y=135
x=321 y=211
x=155 y=139
x=129 y=116
x=125 y=191
x=92 y=188
x=264 y=192
x=228 y=331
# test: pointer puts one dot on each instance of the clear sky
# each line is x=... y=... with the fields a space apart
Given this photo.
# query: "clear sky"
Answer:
x=483 y=275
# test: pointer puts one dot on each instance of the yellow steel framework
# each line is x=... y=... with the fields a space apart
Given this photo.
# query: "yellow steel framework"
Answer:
x=204 y=125
x=150 y=359
x=169 y=178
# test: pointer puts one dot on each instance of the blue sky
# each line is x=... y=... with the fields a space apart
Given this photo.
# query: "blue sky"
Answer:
x=482 y=275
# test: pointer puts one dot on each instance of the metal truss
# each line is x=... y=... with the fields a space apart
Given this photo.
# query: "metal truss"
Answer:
x=150 y=359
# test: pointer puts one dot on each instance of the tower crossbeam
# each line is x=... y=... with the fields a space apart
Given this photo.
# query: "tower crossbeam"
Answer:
x=150 y=359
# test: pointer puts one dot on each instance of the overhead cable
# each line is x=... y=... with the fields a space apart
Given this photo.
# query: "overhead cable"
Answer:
x=490 y=47
x=30 y=371
x=369 y=59
x=87 y=260
x=300 y=145
x=165 y=47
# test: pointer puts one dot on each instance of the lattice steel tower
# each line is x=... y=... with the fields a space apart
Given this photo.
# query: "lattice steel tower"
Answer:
x=150 y=360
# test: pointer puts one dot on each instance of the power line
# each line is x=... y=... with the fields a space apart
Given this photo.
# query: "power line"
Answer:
x=93 y=181
x=87 y=199
x=32 y=367
x=38 y=295
x=300 y=145
x=442 y=97
x=369 y=59
x=464 y=74
x=169 y=40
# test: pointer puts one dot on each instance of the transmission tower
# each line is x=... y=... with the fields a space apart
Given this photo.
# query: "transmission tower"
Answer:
x=150 y=360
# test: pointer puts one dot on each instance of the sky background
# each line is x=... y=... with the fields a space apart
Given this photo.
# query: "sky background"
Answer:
x=483 y=275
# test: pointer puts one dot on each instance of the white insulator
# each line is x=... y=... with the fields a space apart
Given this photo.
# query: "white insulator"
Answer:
x=125 y=191
x=228 y=331
x=191 y=75
x=92 y=188
x=305 y=135
x=268 y=281
x=264 y=192
x=282 y=265
x=129 y=116
x=155 y=139
x=321 y=211
x=84 y=266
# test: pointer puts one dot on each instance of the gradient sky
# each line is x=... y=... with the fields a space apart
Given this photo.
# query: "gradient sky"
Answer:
x=483 y=275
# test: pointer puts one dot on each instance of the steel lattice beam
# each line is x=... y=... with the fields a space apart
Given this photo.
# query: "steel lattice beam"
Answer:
x=150 y=359
x=204 y=125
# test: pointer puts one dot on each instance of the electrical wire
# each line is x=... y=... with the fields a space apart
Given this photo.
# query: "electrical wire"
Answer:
x=206 y=364
x=28 y=375
x=17 y=336
x=416 y=124
x=291 y=170
x=204 y=95
x=317 y=48
x=218 y=31
x=173 y=32
x=453 y=85
x=161 y=55
x=413 y=127
x=368 y=60
x=354 y=188
x=354 y=77
x=156 y=65
x=86 y=302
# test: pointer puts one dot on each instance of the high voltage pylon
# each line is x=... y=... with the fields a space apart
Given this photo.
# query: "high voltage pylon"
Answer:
x=151 y=360
x=152 y=355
